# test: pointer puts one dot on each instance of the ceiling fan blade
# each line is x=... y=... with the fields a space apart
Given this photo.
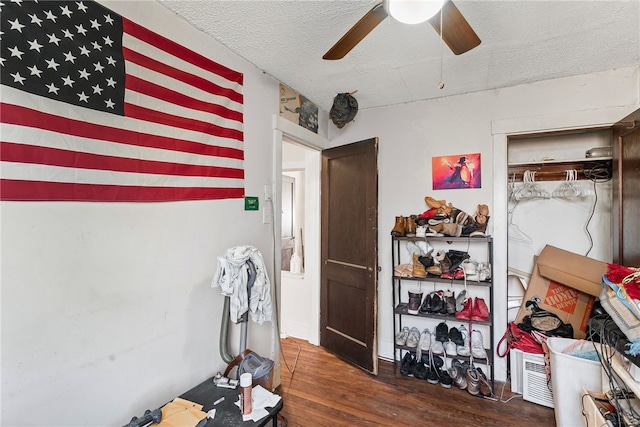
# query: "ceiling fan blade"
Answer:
x=458 y=34
x=363 y=27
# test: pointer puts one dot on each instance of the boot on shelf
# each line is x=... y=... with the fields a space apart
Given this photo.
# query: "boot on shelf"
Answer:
x=399 y=229
x=409 y=226
x=418 y=268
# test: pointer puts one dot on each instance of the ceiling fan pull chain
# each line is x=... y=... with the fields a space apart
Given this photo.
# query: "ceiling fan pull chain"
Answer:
x=441 y=84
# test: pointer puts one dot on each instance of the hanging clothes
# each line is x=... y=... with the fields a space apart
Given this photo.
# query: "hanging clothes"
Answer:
x=242 y=276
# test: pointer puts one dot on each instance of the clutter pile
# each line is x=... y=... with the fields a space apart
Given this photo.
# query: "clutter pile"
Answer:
x=443 y=219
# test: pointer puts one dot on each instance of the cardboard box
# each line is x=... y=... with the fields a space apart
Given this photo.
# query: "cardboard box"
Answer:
x=566 y=284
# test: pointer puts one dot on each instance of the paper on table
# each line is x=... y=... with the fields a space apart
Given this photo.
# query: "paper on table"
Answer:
x=260 y=399
x=181 y=413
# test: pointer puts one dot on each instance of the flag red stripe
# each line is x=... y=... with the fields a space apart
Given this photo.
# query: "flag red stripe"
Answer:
x=14 y=114
x=149 y=115
x=179 y=51
x=62 y=191
x=183 y=76
x=22 y=153
x=160 y=92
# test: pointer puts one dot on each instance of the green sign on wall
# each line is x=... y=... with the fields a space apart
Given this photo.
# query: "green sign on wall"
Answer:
x=251 y=203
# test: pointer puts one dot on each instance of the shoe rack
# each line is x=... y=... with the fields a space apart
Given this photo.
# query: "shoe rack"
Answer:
x=482 y=245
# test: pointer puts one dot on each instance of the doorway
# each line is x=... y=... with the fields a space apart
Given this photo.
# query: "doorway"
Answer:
x=299 y=273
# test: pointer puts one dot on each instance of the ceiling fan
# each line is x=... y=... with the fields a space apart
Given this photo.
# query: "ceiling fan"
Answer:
x=457 y=34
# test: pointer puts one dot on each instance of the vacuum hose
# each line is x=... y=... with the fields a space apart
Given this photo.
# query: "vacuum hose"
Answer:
x=224 y=328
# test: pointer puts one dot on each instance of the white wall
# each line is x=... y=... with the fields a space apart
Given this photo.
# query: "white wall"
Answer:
x=107 y=308
x=411 y=134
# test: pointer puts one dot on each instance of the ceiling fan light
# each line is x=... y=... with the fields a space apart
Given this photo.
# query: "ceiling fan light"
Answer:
x=413 y=11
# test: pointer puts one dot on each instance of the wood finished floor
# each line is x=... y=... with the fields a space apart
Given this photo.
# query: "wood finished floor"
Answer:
x=326 y=391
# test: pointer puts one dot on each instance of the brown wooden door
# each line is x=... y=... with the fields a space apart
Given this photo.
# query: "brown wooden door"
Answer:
x=348 y=301
x=626 y=191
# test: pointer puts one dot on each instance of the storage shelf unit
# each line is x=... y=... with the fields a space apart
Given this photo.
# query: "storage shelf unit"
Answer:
x=400 y=308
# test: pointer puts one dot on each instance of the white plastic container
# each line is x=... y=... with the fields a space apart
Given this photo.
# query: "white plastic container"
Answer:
x=569 y=374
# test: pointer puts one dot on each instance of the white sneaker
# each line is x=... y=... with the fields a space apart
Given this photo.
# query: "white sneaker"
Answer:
x=425 y=340
x=477 y=345
x=401 y=337
x=413 y=338
x=436 y=346
x=464 y=350
x=450 y=348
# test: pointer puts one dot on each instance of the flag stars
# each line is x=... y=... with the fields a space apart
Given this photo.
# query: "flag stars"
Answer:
x=95 y=24
x=16 y=52
x=111 y=82
x=17 y=78
x=110 y=103
x=54 y=39
x=108 y=19
x=34 y=45
x=52 y=88
x=81 y=6
x=50 y=15
x=96 y=46
x=111 y=61
x=69 y=57
x=81 y=30
x=67 y=34
x=97 y=89
x=35 y=71
x=36 y=20
x=67 y=81
x=2 y=62
x=51 y=63
x=66 y=11
x=84 y=51
x=16 y=25
x=98 y=67
x=83 y=97
x=84 y=74
x=108 y=41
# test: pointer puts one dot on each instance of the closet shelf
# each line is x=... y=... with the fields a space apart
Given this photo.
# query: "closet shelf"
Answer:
x=554 y=170
x=551 y=162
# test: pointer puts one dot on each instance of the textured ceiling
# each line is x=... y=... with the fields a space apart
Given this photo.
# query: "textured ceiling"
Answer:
x=522 y=42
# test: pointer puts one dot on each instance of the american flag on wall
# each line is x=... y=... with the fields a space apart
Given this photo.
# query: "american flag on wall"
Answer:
x=94 y=107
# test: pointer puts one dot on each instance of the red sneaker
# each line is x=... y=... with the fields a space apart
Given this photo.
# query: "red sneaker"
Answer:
x=465 y=313
x=480 y=311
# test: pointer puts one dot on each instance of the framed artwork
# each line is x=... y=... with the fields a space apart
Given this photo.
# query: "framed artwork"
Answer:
x=458 y=171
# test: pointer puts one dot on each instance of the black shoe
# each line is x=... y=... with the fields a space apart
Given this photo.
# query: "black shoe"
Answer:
x=437 y=363
x=437 y=304
x=407 y=364
x=420 y=371
x=442 y=332
x=456 y=336
x=426 y=304
x=456 y=258
x=426 y=260
x=434 y=376
x=445 y=379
